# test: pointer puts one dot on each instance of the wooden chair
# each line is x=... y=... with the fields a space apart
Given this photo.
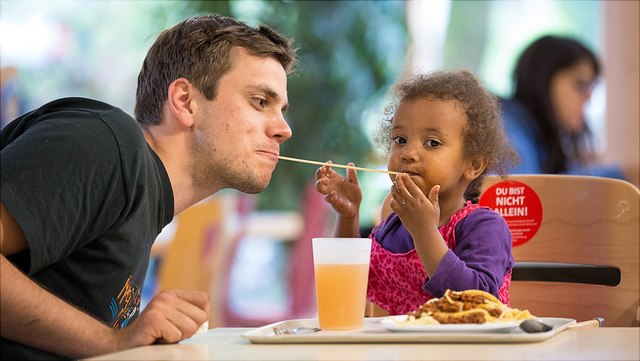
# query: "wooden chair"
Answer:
x=299 y=277
x=206 y=235
x=183 y=260
x=373 y=310
x=583 y=260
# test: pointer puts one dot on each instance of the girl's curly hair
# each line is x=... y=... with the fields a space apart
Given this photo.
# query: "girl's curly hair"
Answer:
x=484 y=133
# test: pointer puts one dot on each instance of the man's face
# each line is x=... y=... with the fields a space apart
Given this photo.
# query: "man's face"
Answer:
x=237 y=135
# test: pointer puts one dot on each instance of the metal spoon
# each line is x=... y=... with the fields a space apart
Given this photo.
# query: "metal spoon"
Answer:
x=532 y=326
x=293 y=330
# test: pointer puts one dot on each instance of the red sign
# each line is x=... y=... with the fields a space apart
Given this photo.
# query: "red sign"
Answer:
x=519 y=205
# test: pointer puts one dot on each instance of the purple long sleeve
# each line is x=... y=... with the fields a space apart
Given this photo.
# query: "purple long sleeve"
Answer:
x=480 y=259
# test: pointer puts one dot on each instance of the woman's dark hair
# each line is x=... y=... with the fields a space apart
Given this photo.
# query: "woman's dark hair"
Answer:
x=535 y=68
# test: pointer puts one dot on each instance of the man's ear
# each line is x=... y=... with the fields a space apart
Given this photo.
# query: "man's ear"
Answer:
x=477 y=165
x=180 y=101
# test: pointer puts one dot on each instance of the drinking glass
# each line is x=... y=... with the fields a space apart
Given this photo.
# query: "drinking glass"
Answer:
x=341 y=267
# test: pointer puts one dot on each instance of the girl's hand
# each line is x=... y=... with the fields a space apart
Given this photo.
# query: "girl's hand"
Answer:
x=343 y=194
x=419 y=214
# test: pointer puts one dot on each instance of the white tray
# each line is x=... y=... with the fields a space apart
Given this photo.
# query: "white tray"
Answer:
x=375 y=332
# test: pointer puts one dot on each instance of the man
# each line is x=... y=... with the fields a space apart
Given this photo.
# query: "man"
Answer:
x=85 y=189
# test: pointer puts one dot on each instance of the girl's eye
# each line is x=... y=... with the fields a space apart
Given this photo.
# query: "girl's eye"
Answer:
x=399 y=140
x=432 y=143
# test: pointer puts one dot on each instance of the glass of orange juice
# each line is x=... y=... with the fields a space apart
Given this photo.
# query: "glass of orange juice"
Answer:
x=341 y=268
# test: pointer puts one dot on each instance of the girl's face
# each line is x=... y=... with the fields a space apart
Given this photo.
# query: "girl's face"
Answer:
x=570 y=91
x=427 y=140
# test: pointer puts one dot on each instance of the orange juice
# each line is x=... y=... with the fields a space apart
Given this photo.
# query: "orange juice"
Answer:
x=341 y=291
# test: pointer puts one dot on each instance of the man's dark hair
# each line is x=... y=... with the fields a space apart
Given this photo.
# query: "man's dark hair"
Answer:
x=201 y=49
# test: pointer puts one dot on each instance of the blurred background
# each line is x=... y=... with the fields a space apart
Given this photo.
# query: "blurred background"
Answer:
x=252 y=252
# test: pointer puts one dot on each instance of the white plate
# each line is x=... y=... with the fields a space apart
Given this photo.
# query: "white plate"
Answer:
x=393 y=323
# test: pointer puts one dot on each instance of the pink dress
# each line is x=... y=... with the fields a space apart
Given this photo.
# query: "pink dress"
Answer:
x=396 y=279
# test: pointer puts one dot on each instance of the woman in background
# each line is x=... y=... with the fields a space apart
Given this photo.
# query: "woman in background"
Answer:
x=545 y=118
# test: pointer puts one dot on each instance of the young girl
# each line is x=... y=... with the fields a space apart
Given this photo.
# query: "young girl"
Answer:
x=444 y=135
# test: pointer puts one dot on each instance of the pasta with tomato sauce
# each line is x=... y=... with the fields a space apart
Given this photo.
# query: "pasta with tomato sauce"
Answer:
x=470 y=306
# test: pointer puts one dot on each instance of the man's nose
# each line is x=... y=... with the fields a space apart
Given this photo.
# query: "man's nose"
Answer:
x=280 y=129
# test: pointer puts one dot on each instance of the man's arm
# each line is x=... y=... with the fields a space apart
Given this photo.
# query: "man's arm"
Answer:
x=33 y=316
x=12 y=239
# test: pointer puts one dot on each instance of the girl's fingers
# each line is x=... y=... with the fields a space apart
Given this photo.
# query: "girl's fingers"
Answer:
x=396 y=205
x=327 y=168
x=401 y=186
x=434 y=194
x=323 y=171
x=404 y=190
x=352 y=175
x=411 y=187
x=397 y=195
x=395 y=192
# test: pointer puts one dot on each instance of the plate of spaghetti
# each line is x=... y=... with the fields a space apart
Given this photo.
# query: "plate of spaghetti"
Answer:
x=459 y=311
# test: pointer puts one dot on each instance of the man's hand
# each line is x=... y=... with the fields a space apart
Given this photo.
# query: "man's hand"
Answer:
x=35 y=317
x=171 y=316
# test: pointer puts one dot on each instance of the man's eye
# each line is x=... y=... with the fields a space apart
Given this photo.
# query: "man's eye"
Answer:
x=399 y=140
x=261 y=102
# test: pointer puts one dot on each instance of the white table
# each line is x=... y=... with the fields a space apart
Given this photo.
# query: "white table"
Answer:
x=607 y=343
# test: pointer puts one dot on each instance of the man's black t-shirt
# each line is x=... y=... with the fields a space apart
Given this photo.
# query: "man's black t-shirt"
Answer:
x=91 y=197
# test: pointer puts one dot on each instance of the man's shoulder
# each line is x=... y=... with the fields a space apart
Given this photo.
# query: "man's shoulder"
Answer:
x=77 y=103
x=90 y=117
x=99 y=109
x=71 y=112
x=81 y=125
